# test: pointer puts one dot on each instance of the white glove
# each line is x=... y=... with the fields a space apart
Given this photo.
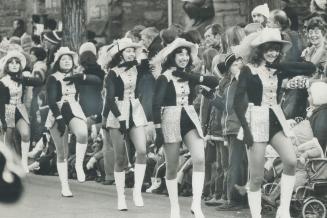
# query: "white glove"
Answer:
x=90 y=163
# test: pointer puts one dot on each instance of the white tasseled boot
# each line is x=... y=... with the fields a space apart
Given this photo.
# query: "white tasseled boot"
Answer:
x=138 y=178
x=63 y=176
x=197 y=186
x=254 y=199
x=173 y=197
x=286 y=189
x=80 y=153
x=37 y=149
x=155 y=183
x=25 y=147
x=120 y=187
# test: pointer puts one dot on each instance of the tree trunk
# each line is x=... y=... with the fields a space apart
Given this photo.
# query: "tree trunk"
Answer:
x=74 y=23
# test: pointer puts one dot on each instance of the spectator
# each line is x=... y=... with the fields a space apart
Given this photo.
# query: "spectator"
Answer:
x=291 y=13
x=212 y=37
x=260 y=14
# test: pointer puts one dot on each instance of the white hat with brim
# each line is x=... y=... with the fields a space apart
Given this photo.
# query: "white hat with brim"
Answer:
x=271 y=35
x=121 y=44
x=88 y=46
x=14 y=54
x=161 y=57
x=66 y=51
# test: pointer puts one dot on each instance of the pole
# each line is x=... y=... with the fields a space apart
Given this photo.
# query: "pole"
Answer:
x=170 y=12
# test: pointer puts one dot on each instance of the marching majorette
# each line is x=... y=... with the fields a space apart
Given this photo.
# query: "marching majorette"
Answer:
x=263 y=120
x=66 y=113
x=175 y=118
x=123 y=114
x=13 y=112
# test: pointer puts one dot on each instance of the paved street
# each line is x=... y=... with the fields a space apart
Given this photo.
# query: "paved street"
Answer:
x=92 y=200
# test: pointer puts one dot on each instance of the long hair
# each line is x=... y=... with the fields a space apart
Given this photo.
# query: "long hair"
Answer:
x=256 y=56
x=6 y=68
x=233 y=37
x=170 y=61
x=56 y=65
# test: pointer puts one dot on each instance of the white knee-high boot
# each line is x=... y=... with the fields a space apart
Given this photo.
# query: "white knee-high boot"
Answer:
x=254 y=199
x=120 y=187
x=173 y=197
x=25 y=148
x=80 y=153
x=286 y=189
x=197 y=188
x=63 y=176
x=138 y=178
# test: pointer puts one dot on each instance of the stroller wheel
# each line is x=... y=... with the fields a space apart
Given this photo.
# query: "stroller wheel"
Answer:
x=313 y=209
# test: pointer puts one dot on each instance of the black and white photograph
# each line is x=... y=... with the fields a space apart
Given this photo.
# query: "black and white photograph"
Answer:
x=163 y=108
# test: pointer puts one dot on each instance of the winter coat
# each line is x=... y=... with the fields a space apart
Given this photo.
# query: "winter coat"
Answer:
x=229 y=122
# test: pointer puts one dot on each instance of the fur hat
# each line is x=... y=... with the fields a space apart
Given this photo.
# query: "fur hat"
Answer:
x=88 y=46
x=261 y=9
x=121 y=44
x=318 y=93
x=271 y=35
x=161 y=57
x=66 y=51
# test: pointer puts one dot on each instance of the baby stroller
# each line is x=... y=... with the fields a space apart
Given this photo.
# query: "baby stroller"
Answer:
x=309 y=200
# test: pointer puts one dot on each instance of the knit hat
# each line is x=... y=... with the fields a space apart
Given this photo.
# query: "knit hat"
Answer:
x=229 y=60
x=318 y=93
x=88 y=46
x=53 y=37
x=261 y=9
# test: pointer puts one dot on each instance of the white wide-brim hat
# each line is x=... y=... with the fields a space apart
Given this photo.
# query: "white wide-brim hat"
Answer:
x=13 y=54
x=271 y=35
x=121 y=44
x=161 y=57
x=66 y=51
